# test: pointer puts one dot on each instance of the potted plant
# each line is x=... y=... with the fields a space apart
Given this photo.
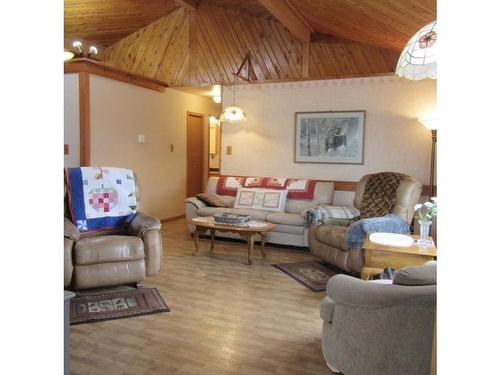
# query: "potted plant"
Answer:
x=424 y=213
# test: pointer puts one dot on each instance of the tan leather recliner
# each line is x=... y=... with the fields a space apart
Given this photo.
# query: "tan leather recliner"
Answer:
x=97 y=260
x=328 y=241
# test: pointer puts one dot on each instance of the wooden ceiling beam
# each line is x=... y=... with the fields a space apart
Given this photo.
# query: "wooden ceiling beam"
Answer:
x=289 y=17
x=190 y=5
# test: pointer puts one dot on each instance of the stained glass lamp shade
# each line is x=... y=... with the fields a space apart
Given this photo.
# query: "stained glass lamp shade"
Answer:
x=418 y=59
x=233 y=114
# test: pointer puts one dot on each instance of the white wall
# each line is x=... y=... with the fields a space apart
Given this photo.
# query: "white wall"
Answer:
x=71 y=120
x=119 y=112
x=394 y=139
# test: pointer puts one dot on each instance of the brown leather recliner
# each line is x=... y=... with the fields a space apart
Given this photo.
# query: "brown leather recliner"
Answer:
x=328 y=241
x=97 y=260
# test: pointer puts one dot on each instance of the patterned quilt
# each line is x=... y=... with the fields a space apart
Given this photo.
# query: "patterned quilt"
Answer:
x=297 y=188
x=101 y=198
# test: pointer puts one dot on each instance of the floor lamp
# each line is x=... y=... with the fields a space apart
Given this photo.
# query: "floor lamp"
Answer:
x=431 y=124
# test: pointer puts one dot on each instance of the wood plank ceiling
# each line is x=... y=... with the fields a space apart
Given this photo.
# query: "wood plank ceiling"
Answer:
x=203 y=42
x=384 y=23
x=105 y=22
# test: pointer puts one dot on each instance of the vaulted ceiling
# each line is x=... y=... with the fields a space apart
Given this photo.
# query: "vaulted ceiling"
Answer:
x=193 y=42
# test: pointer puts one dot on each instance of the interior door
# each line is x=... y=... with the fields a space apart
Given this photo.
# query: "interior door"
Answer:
x=194 y=173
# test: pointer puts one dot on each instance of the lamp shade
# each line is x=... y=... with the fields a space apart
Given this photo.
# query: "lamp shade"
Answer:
x=429 y=122
x=418 y=58
x=68 y=55
x=233 y=114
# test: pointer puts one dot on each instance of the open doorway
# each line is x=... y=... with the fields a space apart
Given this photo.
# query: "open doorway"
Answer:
x=214 y=138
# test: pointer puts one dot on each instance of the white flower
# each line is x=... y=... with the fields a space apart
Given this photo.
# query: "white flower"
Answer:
x=418 y=206
x=428 y=204
x=434 y=199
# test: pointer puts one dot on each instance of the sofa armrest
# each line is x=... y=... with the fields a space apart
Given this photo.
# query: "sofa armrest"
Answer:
x=142 y=223
x=70 y=230
x=347 y=290
x=195 y=202
x=68 y=261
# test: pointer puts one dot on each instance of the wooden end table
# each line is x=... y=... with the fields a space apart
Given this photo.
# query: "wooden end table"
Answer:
x=378 y=257
x=247 y=233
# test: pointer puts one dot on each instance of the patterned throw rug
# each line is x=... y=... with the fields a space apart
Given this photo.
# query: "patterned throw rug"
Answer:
x=313 y=275
x=89 y=308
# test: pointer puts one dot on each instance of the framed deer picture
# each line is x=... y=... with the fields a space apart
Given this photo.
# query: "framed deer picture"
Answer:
x=329 y=137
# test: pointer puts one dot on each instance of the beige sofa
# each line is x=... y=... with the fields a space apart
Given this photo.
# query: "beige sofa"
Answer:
x=290 y=229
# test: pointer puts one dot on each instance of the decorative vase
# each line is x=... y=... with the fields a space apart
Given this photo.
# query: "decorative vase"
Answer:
x=425 y=227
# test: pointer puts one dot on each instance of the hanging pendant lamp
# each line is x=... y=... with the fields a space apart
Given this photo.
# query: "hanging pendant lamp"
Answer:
x=418 y=58
x=233 y=114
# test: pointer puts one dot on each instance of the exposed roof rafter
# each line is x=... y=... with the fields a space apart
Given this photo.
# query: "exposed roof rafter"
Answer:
x=288 y=16
x=190 y=5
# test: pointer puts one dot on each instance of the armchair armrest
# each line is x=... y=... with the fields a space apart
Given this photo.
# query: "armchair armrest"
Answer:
x=350 y=291
x=68 y=261
x=70 y=230
x=195 y=202
x=148 y=228
x=142 y=223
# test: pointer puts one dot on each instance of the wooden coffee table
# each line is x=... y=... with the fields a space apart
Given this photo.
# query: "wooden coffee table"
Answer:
x=378 y=257
x=247 y=233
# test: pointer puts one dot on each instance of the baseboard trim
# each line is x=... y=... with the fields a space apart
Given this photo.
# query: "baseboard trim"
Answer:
x=172 y=218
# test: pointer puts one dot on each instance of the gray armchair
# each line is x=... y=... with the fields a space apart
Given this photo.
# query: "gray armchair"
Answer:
x=380 y=329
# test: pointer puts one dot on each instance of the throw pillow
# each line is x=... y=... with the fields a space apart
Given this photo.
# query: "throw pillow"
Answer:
x=211 y=200
x=261 y=199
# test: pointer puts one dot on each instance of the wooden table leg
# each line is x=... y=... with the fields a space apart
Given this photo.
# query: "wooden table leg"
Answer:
x=263 y=236
x=212 y=238
x=368 y=272
x=365 y=275
x=196 y=237
x=250 y=239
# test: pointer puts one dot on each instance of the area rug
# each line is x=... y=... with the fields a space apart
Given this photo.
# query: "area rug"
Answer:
x=313 y=275
x=88 y=308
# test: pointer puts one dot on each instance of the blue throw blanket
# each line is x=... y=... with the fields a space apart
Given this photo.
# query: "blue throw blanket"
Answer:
x=356 y=232
x=101 y=198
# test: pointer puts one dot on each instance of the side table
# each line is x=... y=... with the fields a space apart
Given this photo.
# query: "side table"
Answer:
x=378 y=257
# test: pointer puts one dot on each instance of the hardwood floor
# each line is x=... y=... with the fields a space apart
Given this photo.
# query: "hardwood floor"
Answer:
x=227 y=318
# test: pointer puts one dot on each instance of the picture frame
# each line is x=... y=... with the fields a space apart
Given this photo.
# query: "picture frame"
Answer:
x=333 y=137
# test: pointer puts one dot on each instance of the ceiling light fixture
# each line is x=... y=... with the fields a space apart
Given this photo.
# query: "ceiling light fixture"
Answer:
x=233 y=114
x=418 y=58
x=213 y=120
x=216 y=95
x=79 y=50
x=68 y=55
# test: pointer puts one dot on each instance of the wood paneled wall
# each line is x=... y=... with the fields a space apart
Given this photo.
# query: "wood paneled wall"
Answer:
x=206 y=46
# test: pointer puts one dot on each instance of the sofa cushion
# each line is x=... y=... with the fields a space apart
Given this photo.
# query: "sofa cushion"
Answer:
x=296 y=206
x=106 y=249
x=285 y=218
x=211 y=200
x=332 y=235
x=289 y=229
x=254 y=214
x=323 y=193
x=227 y=199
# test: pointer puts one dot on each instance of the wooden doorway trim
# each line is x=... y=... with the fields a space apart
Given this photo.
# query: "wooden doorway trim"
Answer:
x=84 y=101
x=204 y=141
